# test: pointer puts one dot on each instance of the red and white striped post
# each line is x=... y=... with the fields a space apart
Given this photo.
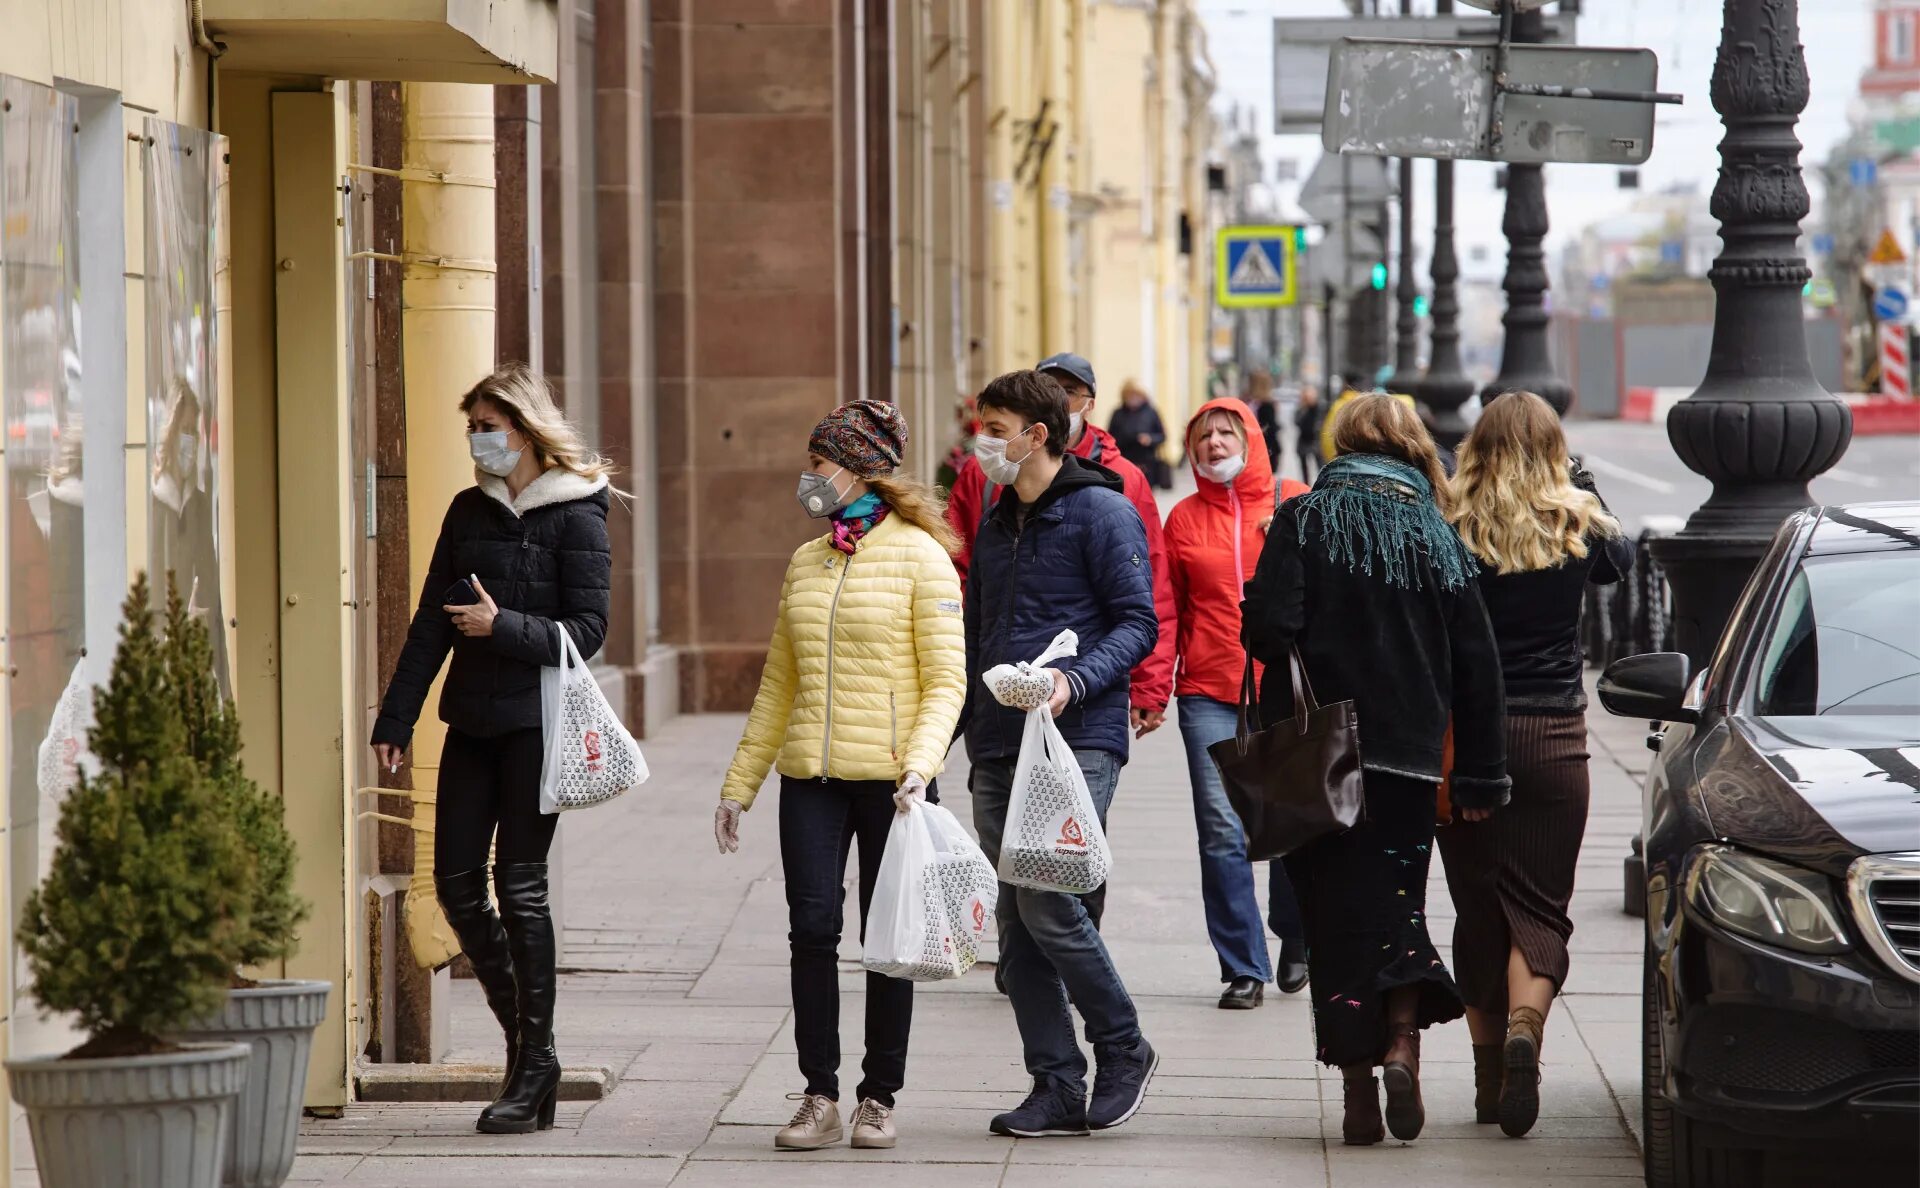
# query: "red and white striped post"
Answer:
x=1896 y=374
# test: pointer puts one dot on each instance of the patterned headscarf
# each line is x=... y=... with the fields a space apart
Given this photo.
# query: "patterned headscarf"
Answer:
x=867 y=437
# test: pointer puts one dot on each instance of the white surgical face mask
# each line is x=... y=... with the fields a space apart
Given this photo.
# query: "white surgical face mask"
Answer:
x=991 y=452
x=1224 y=471
x=490 y=453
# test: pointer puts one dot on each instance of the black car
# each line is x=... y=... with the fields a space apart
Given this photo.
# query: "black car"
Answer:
x=1782 y=824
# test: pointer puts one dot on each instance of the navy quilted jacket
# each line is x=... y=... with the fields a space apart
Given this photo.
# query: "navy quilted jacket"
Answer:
x=1078 y=561
x=544 y=558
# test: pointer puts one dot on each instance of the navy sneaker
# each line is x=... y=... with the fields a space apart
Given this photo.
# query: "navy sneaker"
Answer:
x=1120 y=1085
x=1050 y=1111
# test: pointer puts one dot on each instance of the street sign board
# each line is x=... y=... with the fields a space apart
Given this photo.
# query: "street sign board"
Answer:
x=1863 y=171
x=1890 y=305
x=1254 y=268
x=1823 y=244
x=1887 y=250
x=1301 y=47
x=1820 y=293
x=1337 y=188
x=1395 y=98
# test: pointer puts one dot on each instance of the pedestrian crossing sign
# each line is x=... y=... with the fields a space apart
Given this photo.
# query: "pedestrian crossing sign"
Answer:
x=1253 y=267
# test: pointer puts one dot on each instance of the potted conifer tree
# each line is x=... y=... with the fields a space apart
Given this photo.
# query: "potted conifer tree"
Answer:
x=135 y=930
x=275 y=1018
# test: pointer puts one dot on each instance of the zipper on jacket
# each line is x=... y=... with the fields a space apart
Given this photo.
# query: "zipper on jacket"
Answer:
x=826 y=732
x=1239 y=570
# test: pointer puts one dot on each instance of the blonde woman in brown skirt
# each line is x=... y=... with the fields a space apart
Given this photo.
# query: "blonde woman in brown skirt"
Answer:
x=1541 y=534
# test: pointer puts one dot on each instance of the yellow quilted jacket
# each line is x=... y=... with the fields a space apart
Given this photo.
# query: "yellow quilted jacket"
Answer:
x=868 y=666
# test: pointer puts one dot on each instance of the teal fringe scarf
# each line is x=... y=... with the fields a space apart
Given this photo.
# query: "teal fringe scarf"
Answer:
x=1377 y=514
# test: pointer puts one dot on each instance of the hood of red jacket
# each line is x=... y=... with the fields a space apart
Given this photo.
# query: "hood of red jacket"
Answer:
x=1254 y=484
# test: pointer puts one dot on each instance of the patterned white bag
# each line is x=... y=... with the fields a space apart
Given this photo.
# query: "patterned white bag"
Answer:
x=62 y=755
x=1053 y=839
x=590 y=756
x=909 y=934
x=969 y=887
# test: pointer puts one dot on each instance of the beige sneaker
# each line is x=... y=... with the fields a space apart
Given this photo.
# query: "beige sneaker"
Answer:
x=872 y=1127
x=815 y=1124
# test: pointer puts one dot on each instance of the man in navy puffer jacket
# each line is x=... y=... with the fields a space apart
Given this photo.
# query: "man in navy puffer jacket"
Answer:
x=1063 y=548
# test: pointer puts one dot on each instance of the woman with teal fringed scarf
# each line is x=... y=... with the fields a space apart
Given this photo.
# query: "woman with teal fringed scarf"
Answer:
x=1366 y=579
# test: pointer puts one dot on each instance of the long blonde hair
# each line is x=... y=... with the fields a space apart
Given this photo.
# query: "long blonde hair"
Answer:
x=1381 y=424
x=528 y=402
x=917 y=504
x=1514 y=501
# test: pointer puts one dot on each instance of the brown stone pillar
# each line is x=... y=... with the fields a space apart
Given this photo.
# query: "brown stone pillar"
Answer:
x=747 y=313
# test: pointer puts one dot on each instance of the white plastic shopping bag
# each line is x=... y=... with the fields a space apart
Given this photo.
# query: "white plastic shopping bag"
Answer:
x=1053 y=839
x=969 y=887
x=590 y=756
x=909 y=935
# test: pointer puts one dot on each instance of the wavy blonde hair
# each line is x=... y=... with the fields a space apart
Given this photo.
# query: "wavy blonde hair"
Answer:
x=1381 y=424
x=1514 y=501
x=918 y=504
x=516 y=390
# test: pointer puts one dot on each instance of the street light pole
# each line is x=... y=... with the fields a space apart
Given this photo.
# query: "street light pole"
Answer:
x=1406 y=362
x=1759 y=426
x=1446 y=386
x=1526 y=359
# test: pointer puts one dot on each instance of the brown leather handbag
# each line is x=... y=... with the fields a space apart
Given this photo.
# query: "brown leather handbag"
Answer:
x=1298 y=780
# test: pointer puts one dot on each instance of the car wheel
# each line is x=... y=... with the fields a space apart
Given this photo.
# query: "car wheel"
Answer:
x=1679 y=1152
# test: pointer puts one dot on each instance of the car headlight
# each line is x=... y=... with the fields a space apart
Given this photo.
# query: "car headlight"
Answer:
x=1767 y=900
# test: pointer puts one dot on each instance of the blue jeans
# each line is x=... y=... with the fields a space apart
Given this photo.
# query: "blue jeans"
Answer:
x=1226 y=877
x=1050 y=951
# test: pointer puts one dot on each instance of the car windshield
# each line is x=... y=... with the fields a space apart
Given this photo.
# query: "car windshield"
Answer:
x=1845 y=641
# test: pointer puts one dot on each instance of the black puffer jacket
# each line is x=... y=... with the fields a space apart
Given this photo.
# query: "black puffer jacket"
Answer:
x=544 y=559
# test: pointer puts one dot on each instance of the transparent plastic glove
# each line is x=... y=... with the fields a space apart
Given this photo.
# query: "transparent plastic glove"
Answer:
x=726 y=826
x=912 y=788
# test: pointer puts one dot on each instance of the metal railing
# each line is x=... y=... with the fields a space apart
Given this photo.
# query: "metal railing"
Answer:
x=1631 y=617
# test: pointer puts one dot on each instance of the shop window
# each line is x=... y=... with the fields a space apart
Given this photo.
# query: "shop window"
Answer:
x=184 y=175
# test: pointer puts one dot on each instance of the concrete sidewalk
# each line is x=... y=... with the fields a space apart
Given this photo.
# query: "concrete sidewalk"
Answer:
x=677 y=978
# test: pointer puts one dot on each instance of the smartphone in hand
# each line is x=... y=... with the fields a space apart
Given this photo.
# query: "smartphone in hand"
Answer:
x=460 y=594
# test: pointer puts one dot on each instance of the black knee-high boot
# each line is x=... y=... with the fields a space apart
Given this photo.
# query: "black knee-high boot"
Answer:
x=463 y=896
x=527 y=1103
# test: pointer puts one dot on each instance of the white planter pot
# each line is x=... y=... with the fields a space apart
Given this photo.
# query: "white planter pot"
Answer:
x=132 y=1122
x=276 y=1021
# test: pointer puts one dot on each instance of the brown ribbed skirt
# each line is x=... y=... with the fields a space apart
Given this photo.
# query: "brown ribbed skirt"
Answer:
x=1511 y=875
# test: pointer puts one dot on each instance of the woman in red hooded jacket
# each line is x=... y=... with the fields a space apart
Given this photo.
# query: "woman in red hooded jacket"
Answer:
x=1214 y=538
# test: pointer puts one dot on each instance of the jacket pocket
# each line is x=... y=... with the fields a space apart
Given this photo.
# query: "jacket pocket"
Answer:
x=893 y=725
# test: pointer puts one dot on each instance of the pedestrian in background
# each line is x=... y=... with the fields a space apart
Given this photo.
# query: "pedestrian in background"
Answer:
x=1137 y=427
x=1214 y=538
x=974 y=496
x=1541 y=534
x=1365 y=577
x=1306 y=433
x=521 y=555
x=1062 y=548
x=857 y=706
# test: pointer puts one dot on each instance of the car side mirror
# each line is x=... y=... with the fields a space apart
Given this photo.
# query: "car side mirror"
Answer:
x=1653 y=685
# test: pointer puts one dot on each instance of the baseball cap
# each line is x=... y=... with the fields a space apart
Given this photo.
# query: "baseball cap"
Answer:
x=1069 y=364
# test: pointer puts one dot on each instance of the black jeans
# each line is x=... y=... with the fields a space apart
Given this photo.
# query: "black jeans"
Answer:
x=487 y=783
x=819 y=820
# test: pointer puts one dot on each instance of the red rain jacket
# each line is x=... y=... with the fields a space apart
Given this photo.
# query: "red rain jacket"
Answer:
x=1214 y=538
x=1152 y=680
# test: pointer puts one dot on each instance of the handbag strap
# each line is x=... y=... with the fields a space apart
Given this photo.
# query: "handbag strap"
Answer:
x=1248 y=722
x=1303 y=699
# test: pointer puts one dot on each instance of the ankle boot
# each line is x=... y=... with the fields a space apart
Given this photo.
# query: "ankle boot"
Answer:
x=463 y=897
x=527 y=1102
x=1520 y=1058
x=1361 y=1126
x=1487 y=1075
x=1406 y=1112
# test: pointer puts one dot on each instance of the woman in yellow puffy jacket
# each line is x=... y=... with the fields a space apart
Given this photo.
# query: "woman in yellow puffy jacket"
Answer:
x=863 y=687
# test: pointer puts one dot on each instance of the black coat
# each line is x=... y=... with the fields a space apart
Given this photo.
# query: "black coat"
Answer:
x=547 y=562
x=1410 y=658
x=1128 y=424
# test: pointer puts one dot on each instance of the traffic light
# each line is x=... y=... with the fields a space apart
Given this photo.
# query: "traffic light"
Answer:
x=1420 y=305
x=1300 y=239
x=1379 y=276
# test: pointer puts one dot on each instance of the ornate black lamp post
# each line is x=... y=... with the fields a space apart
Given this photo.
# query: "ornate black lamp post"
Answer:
x=1445 y=387
x=1526 y=362
x=1760 y=426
